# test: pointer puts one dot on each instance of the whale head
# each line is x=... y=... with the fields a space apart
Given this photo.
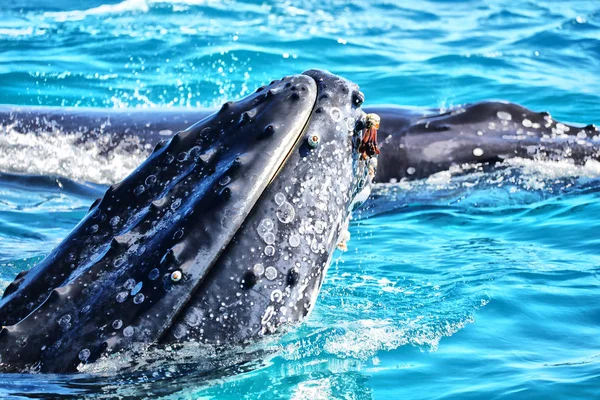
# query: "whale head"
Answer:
x=271 y=272
x=222 y=235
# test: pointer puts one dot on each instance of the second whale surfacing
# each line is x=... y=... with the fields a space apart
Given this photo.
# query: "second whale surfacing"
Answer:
x=221 y=236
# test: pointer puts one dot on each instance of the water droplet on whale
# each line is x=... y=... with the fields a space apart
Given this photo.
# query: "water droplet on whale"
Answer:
x=279 y=199
x=128 y=332
x=153 y=274
x=258 y=269
x=286 y=213
x=265 y=226
x=150 y=180
x=122 y=296
x=270 y=251
x=139 y=190
x=276 y=295
x=65 y=322
x=175 y=205
x=182 y=156
x=335 y=113
x=84 y=355
x=139 y=298
x=193 y=318
x=178 y=234
x=270 y=273
x=503 y=115
x=269 y=238
x=319 y=226
x=129 y=284
x=294 y=241
x=169 y=158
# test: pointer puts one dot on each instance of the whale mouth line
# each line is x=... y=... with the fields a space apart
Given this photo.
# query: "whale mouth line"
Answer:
x=274 y=176
x=298 y=140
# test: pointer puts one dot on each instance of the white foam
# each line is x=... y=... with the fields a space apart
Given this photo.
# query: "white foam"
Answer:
x=122 y=7
x=16 y=32
x=365 y=338
x=534 y=172
x=76 y=15
x=556 y=169
x=315 y=389
x=56 y=153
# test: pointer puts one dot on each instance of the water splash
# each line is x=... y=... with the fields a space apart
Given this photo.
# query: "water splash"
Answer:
x=68 y=155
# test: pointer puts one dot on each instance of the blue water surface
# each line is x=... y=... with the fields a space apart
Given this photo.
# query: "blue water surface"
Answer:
x=462 y=286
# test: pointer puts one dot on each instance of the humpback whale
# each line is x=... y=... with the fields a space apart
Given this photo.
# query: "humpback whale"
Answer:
x=222 y=235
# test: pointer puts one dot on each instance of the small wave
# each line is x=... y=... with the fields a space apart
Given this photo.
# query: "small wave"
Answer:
x=77 y=15
x=119 y=8
x=556 y=169
x=528 y=173
x=363 y=339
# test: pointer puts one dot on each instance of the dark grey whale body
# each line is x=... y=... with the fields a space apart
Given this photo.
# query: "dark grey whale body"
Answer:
x=221 y=236
x=415 y=142
x=241 y=206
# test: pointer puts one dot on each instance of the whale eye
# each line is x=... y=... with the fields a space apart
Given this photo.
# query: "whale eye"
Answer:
x=176 y=276
x=358 y=98
x=313 y=140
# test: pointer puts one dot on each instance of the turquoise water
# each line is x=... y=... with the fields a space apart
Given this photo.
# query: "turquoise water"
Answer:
x=456 y=287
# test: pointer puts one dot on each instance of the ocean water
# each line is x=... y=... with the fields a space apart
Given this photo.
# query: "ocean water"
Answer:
x=460 y=286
